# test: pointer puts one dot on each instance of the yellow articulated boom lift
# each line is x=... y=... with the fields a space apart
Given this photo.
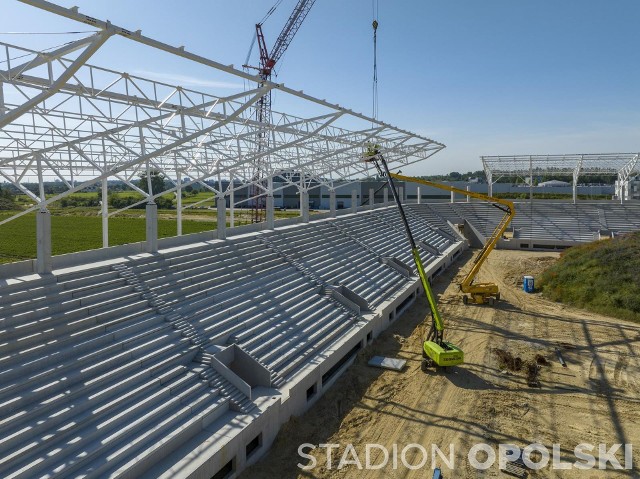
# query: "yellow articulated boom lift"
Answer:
x=435 y=350
x=477 y=293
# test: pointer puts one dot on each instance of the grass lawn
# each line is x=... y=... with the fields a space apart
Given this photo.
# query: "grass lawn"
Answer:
x=603 y=276
x=72 y=233
x=80 y=228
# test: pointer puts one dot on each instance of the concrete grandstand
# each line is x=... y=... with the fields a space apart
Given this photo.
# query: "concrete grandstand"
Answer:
x=185 y=362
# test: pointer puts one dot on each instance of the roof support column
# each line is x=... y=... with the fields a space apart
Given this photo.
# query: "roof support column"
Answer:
x=151 y=216
x=232 y=200
x=304 y=205
x=530 y=179
x=270 y=205
x=372 y=198
x=105 y=200
x=332 y=202
x=576 y=175
x=418 y=195
x=385 y=196
x=468 y=197
x=43 y=229
x=489 y=176
x=43 y=234
x=354 y=200
x=179 y=203
x=105 y=213
x=221 y=210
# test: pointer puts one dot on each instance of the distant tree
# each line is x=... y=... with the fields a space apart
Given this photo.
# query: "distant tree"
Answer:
x=7 y=199
x=157 y=182
x=455 y=176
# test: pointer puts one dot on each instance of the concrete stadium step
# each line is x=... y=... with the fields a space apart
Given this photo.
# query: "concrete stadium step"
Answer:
x=62 y=296
x=63 y=348
x=40 y=387
x=27 y=286
x=228 y=390
x=23 y=316
x=60 y=324
x=223 y=331
x=89 y=279
x=102 y=434
x=309 y=307
x=318 y=338
x=221 y=290
x=79 y=396
x=160 y=442
x=217 y=280
x=225 y=296
x=210 y=275
x=44 y=431
x=64 y=359
x=164 y=269
x=306 y=336
x=95 y=376
x=275 y=337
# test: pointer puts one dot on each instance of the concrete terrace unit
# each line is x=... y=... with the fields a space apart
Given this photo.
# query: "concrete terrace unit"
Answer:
x=541 y=224
x=185 y=363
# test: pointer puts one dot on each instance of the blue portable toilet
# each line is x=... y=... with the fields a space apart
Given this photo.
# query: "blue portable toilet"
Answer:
x=528 y=284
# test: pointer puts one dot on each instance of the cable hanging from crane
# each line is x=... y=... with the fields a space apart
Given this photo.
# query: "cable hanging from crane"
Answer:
x=374 y=24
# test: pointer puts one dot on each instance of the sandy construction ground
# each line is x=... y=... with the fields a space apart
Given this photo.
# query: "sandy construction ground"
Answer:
x=594 y=400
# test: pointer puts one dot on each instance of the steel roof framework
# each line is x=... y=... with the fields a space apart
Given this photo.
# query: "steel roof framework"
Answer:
x=84 y=124
x=594 y=164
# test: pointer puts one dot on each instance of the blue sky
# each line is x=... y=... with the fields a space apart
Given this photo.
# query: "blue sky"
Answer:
x=485 y=77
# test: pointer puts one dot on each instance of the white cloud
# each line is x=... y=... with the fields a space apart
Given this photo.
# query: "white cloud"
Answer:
x=186 y=80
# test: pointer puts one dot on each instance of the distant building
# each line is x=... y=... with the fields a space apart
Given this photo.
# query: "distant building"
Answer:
x=554 y=183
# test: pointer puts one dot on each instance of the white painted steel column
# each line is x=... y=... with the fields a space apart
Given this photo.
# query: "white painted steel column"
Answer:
x=468 y=197
x=221 y=210
x=530 y=179
x=453 y=197
x=332 y=203
x=43 y=248
x=419 y=195
x=179 y=203
x=43 y=229
x=232 y=206
x=270 y=212
x=304 y=205
x=151 y=215
x=105 y=213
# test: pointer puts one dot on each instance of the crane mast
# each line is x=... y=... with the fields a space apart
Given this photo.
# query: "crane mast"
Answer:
x=263 y=107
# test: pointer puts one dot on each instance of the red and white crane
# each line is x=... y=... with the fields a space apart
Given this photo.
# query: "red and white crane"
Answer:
x=268 y=61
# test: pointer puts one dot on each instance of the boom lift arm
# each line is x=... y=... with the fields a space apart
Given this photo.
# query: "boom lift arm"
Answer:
x=435 y=350
x=479 y=293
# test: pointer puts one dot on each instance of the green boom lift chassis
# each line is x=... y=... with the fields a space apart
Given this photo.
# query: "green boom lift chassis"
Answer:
x=435 y=350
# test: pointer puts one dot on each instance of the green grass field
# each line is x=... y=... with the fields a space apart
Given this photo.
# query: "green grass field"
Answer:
x=74 y=233
x=80 y=228
x=603 y=276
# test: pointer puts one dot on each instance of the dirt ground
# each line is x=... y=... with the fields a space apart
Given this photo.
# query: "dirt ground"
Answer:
x=492 y=399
